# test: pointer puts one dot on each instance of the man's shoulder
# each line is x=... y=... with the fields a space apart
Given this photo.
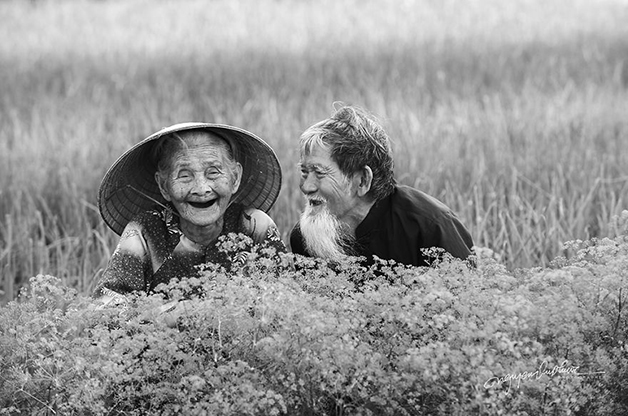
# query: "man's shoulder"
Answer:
x=439 y=224
x=411 y=202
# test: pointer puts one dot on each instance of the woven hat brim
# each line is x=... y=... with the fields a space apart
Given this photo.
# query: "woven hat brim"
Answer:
x=129 y=188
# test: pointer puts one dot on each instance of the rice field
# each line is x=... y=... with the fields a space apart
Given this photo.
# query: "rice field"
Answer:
x=515 y=114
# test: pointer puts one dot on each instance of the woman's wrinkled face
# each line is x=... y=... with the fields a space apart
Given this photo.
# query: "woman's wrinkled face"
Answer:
x=200 y=179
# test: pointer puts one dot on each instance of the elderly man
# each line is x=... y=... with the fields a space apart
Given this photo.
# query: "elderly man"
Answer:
x=354 y=206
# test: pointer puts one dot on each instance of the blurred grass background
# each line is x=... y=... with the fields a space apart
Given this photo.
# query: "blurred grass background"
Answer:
x=515 y=114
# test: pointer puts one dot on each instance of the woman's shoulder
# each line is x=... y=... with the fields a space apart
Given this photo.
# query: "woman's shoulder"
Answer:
x=157 y=225
x=259 y=225
x=153 y=216
x=157 y=220
x=254 y=219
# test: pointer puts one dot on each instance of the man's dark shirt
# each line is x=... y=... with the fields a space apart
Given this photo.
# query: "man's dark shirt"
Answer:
x=400 y=225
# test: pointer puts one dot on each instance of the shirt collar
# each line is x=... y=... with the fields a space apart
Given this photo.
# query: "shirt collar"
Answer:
x=372 y=221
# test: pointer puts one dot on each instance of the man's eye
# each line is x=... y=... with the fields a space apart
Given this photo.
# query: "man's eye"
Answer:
x=304 y=173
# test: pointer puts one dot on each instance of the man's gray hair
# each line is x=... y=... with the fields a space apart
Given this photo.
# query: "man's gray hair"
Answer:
x=355 y=139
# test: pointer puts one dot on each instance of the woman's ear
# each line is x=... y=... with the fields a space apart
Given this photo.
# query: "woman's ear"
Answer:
x=161 y=183
x=364 y=180
x=237 y=172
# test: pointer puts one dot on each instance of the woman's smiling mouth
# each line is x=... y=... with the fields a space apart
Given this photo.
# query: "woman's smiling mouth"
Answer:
x=202 y=205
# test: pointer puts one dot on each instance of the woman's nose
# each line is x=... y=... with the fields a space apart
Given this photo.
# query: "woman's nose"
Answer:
x=202 y=186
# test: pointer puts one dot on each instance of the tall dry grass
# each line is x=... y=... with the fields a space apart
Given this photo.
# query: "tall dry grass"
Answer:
x=515 y=114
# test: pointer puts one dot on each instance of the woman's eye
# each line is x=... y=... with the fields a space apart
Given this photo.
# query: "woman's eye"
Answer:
x=212 y=173
x=184 y=174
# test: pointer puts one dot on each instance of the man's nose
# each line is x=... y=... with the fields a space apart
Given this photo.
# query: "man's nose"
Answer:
x=308 y=184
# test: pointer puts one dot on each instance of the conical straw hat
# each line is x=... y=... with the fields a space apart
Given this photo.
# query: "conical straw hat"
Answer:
x=129 y=186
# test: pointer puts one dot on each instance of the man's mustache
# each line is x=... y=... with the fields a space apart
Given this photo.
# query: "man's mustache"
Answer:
x=315 y=201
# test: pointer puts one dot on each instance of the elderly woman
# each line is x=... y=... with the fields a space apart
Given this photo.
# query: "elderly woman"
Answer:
x=174 y=194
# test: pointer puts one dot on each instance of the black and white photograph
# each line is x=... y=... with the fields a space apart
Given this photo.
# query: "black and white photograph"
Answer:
x=313 y=207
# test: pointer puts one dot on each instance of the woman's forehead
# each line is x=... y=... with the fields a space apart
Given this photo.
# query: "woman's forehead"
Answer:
x=203 y=138
x=201 y=148
x=194 y=142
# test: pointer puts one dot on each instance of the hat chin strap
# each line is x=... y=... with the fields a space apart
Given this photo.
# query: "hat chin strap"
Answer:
x=152 y=199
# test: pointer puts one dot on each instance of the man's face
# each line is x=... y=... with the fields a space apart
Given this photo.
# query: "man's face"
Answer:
x=324 y=185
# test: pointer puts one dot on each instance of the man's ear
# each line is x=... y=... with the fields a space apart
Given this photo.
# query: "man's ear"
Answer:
x=364 y=180
x=161 y=183
x=237 y=177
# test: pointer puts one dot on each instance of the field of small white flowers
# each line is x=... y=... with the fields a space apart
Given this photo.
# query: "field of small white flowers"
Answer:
x=511 y=113
x=301 y=337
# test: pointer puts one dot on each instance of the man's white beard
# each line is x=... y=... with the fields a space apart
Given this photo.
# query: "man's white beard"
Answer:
x=323 y=234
